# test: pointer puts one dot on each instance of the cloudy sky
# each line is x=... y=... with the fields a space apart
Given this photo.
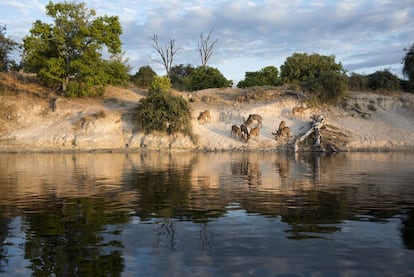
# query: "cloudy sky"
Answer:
x=364 y=35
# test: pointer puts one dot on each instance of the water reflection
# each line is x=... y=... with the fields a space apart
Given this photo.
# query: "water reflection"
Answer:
x=105 y=214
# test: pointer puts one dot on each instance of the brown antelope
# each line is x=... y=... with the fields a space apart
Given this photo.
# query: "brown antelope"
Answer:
x=204 y=117
x=254 y=117
x=254 y=132
x=298 y=111
x=236 y=131
x=285 y=131
x=282 y=124
x=244 y=131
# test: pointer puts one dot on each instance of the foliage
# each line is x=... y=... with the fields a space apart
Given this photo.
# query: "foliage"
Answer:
x=301 y=67
x=268 y=75
x=144 y=77
x=357 y=82
x=408 y=68
x=161 y=111
x=67 y=54
x=204 y=77
x=328 y=87
x=383 y=80
x=180 y=76
x=117 y=71
x=6 y=46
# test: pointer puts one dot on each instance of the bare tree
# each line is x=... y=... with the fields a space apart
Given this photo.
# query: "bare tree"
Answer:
x=167 y=53
x=206 y=47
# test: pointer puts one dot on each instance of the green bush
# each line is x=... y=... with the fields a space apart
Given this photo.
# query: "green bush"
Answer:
x=357 y=82
x=267 y=76
x=302 y=67
x=180 y=76
x=163 y=112
x=383 y=80
x=204 y=77
x=144 y=77
x=328 y=87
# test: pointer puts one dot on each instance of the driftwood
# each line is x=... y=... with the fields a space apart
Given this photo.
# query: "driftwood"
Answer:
x=317 y=123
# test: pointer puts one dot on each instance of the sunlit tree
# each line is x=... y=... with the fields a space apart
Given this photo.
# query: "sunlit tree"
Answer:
x=6 y=46
x=68 y=53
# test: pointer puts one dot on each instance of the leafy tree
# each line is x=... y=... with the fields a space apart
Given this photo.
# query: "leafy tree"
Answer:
x=383 y=80
x=180 y=76
x=67 y=54
x=6 y=46
x=301 y=67
x=268 y=75
x=144 y=77
x=328 y=87
x=117 y=71
x=163 y=112
x=408 y=68
x=204 y=77
x=357 y=81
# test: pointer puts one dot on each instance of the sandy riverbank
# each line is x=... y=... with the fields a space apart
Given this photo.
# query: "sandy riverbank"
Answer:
x=31 y=121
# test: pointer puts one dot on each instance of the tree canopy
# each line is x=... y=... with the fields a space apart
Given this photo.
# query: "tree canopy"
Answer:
x=267 y=76
x=144 y=77
x=408 y=66
x=204 y=77
x=68 y=54
x=6 y=46
x=301 y=67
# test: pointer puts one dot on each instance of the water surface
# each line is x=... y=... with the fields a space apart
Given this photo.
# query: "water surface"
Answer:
x=215 y=214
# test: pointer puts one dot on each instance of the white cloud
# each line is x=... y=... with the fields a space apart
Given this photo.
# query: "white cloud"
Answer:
x=252 y=33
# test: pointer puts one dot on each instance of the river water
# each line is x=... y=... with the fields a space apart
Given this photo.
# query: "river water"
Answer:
x=207 y=214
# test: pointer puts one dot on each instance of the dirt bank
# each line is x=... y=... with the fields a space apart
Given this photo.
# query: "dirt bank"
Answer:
x=34 y=119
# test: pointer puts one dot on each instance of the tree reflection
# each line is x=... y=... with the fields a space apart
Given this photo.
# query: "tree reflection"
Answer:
x=69 y=240
x=3 y=235
x=407 y=229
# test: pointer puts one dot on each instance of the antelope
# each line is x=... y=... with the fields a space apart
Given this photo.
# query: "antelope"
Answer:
x=254 y=117
x=204 y=117
x=285 y=131
x=254 y=132
x=244 y=131
x=236 y=131
x=298 y=111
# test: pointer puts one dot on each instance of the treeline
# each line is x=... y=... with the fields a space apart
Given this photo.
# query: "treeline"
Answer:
x=67 y=56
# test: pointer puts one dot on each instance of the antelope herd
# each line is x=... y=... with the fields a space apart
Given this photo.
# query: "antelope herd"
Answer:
x=255 y=123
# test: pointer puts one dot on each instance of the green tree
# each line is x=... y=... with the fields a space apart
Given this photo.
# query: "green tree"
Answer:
x=408 y=66
x=357 y=81
x=6 y=46
x=163 y=112
x=329 y=86
x=180 y=76
x=302 y=67
x=144 y=77
x=267 y=76
x=383 y=80
x=204 y=77
x=67 y=54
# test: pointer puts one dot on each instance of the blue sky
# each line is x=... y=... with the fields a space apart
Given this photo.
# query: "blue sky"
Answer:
x=364 y=35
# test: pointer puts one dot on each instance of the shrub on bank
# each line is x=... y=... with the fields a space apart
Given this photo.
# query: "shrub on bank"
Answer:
x=163 y=112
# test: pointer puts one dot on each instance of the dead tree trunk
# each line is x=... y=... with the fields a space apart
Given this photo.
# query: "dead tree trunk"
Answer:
x=317 y=123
